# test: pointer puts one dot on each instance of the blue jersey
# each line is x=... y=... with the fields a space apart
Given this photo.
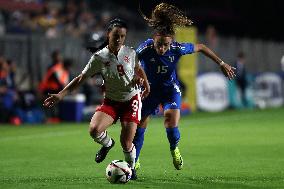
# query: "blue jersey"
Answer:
x=161 y=70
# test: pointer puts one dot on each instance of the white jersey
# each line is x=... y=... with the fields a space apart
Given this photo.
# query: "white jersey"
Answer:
x=117 y=72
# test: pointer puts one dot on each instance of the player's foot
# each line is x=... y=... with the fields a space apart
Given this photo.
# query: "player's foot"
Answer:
x=177 y=159
x=134 y=175
x=137 y=164
x=102 y=153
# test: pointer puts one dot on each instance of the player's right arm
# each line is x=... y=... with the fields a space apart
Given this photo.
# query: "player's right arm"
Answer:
x=55 y=98
x=88 y=71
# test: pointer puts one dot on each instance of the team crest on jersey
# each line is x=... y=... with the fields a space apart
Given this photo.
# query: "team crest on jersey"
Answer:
x=172 y=58
x=126 y=59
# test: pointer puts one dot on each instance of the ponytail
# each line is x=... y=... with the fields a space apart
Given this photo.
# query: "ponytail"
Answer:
x=114 y=23
x=95 y=49
x=165 y=18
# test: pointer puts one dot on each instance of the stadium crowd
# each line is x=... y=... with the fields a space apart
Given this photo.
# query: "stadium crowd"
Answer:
x=52 y=19
x=78 y=19
x=17 y=106
x=58 y=18
x=21 y=105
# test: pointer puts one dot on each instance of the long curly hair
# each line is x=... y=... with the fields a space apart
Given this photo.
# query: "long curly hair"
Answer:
x=165 y=18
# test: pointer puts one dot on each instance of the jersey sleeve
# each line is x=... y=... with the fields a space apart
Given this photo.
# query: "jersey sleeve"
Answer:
x=93 y=67
x=183 y=48
x=143 y=47
x=137 y=61
x=186 y=48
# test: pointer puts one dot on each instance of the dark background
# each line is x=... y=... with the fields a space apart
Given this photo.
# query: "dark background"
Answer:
x=253 y=19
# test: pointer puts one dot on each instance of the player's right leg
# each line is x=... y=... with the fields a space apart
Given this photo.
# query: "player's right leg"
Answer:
x=99 y=123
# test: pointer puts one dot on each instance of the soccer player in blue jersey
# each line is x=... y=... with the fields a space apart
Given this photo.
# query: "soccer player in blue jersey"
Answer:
x=159 y=57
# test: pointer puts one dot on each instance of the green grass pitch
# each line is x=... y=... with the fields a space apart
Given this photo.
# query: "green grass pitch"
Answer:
x=233 y=149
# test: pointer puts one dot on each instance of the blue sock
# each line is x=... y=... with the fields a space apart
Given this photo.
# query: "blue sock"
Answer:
x=173 y=137
x=139 y=140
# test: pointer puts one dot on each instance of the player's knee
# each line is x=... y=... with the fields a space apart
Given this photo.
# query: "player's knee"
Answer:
x=167 y=120
x=144 y=122
x=94 y=130
x=142 y=125
x=171 y=124
x=170 y=121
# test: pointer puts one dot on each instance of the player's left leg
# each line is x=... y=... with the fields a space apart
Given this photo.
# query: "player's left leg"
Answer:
x=126 y=137
x=130 y=116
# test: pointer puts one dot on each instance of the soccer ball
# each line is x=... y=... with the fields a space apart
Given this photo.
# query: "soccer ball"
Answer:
x=118 y=171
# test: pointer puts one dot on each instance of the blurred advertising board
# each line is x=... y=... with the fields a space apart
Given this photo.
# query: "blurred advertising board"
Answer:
x=212 y=92
x=268 y=90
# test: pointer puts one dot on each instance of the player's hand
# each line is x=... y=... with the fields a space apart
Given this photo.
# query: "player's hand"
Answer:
x=52 y=100
x=228 y=71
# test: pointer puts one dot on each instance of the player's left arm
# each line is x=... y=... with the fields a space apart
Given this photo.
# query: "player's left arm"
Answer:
x=227 y=70
x=142 y=78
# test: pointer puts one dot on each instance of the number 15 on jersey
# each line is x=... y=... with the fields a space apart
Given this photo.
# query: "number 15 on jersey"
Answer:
x=162 y=69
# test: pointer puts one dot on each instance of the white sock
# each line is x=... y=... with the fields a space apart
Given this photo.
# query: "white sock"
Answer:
x=109 y=143
x=130 y=156
x=103 y=139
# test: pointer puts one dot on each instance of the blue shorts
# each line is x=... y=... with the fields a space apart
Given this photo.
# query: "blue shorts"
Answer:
x=169 y=98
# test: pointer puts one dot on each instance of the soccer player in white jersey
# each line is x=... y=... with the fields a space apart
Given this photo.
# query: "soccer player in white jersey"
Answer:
x=122 y=74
